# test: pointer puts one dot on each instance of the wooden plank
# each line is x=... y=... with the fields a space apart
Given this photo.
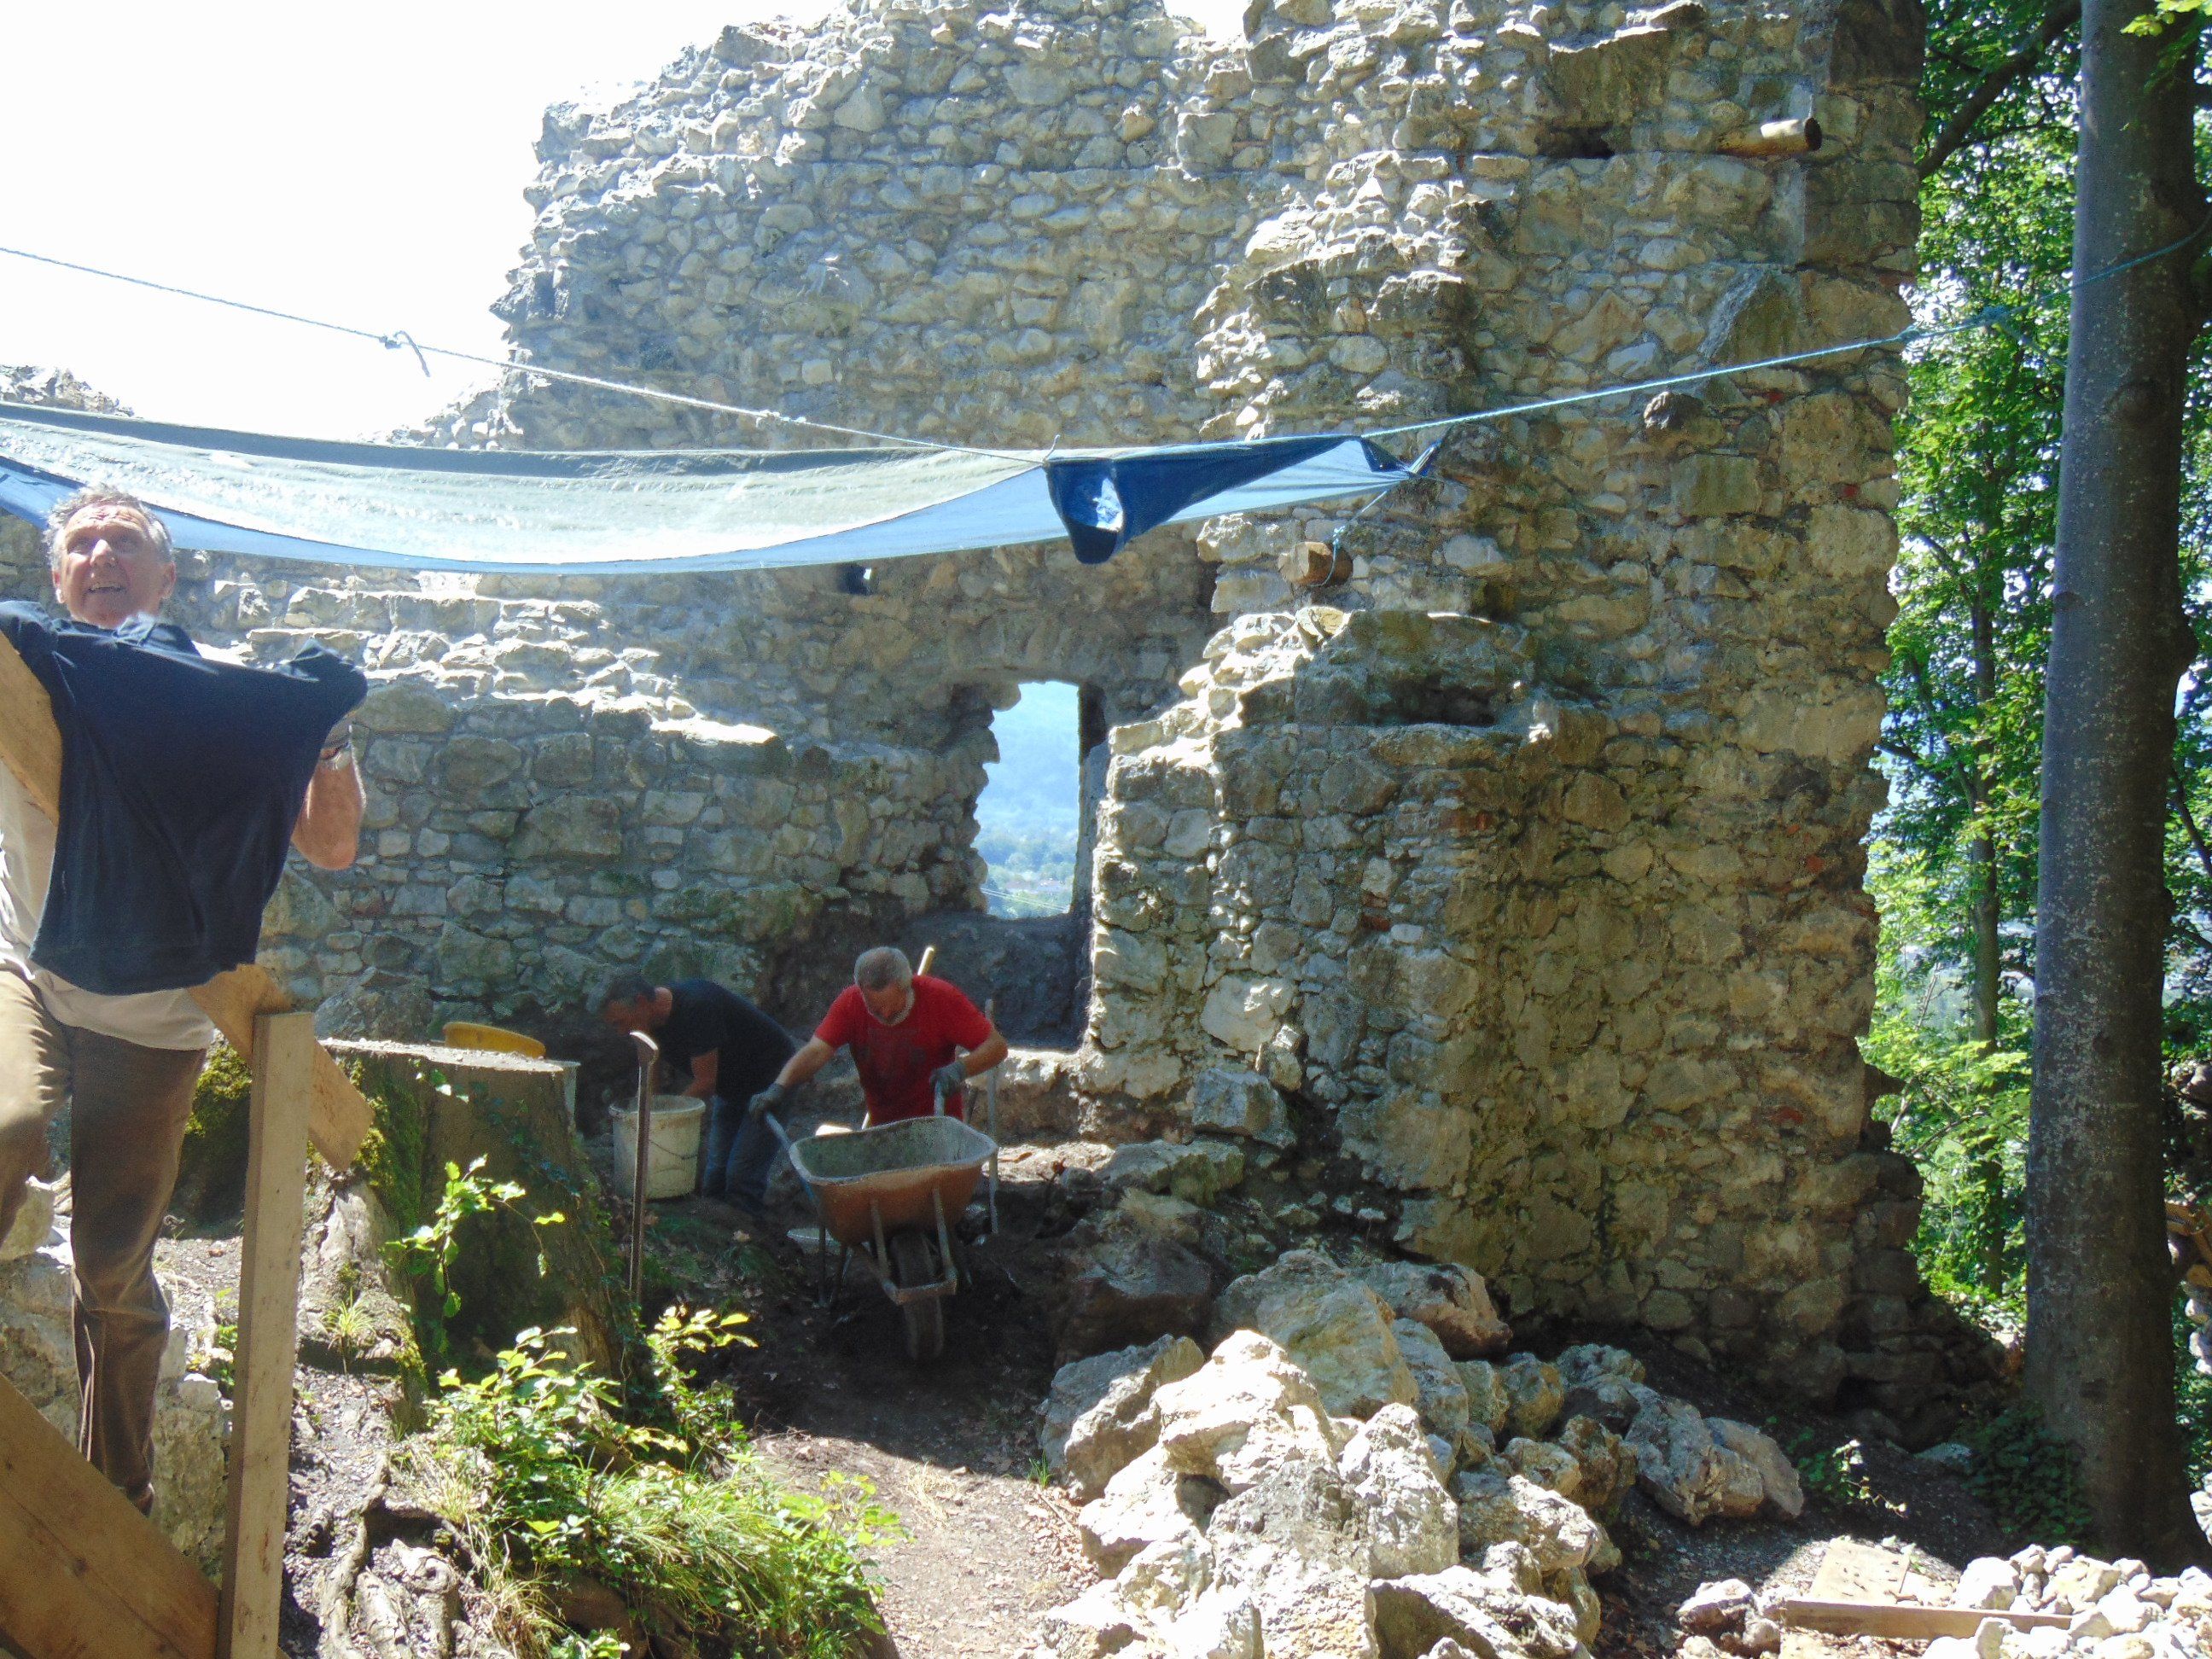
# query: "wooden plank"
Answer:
x=30 y=742
x=1901 y=1621
x=338 y=1118
x=1852 y=1571
x=268 y=1336
x=31 y=748
x=83 y=1574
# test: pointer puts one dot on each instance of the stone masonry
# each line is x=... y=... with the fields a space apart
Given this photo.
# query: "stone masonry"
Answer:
x=1524 y=857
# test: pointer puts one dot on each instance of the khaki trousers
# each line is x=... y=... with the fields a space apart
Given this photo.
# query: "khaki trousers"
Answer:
x=128 y=1106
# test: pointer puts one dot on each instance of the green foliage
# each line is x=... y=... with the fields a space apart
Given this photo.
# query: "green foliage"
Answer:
x=542 y=1476
x=1835 y=1471
x=1962 y=1113
x=1978 y=453
x=2026 y=1477
x=431 y=1248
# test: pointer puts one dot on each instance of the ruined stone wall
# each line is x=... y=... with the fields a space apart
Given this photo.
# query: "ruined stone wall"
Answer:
x=1531 y=865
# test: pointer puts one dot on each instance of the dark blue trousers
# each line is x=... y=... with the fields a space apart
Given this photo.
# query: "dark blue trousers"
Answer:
x=741 y=1154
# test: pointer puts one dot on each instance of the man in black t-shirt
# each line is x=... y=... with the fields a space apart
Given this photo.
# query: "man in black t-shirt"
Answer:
x=731 y=1051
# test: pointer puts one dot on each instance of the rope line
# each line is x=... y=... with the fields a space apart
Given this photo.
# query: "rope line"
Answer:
x=400 y=339
x=1991 y=316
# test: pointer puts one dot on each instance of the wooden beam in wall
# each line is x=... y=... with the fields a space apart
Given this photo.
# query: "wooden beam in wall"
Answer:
x=31 y=748
x=83 y=1574
x=284 y=1051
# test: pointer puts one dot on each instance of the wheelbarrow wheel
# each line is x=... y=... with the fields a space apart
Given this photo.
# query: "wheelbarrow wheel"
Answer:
x=913 y=1262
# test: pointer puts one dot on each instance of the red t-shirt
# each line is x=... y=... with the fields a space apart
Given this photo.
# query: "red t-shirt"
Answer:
x=894 y=1061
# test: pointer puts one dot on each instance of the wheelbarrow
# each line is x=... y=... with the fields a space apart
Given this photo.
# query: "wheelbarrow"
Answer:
x=885 y=1194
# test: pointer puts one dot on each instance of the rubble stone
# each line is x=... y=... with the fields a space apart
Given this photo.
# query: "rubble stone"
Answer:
x=1330 y=1324
x=1099 y=1415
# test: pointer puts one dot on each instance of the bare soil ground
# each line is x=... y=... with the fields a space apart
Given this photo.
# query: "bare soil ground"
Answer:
x=983 y=1547
x=341 y=1426
x=950 y=1446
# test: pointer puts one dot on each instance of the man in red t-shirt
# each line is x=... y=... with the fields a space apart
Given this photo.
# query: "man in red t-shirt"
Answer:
x=902 y=1031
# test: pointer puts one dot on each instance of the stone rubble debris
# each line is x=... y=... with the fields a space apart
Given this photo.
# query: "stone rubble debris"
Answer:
x=1241 y=1505
x=2115 y=1609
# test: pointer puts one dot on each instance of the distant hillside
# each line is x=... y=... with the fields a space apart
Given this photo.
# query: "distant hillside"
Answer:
x=1026 y=817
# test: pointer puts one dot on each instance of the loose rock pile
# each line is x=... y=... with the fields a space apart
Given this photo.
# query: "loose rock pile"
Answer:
x=1344 y=1476
x=2117 y=1609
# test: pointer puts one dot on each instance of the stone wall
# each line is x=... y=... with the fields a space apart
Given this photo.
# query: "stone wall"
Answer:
x=1529 y=864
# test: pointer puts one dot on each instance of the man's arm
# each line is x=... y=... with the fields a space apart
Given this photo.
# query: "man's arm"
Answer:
x=328 y=834
x=705 y=1068
x=977 y=1061
x=805 y=1063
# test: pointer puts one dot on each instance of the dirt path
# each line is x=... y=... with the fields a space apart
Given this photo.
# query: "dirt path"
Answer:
x=951 y=1447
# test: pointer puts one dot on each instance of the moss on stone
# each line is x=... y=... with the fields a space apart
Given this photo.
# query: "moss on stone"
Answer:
x=211 y=1170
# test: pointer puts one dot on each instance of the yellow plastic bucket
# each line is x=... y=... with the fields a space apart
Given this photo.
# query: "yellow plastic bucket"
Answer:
x=464 y=1034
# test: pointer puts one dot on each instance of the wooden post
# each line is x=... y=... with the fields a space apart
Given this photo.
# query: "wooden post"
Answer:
x=648 y=1075
x=283 y=1069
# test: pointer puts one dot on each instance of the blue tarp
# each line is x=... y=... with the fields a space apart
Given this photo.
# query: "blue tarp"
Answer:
x=652 y=511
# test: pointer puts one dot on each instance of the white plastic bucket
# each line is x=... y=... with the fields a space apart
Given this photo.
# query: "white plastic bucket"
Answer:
x=672 y=1168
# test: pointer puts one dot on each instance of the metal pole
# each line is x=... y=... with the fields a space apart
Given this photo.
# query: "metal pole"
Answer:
x=649 y=1066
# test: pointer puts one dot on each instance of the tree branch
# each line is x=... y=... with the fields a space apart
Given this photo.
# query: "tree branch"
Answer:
x=2188 y=824
x=1954 y=133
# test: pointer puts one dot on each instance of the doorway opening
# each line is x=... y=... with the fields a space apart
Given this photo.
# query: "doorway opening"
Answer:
x=1028 y=819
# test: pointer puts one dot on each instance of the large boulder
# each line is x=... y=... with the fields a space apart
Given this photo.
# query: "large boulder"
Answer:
x=1497 y=1506
x=1100 y=1417
x=1331 y=1323
x=1479 y=1611
x=1296 y=1547
x=1246 y=1410
x=1127 y=1284
x=1233 y=1102
x=1449 y=1299
x=1146 y=1502
x=1779 y=1487
x=1412 y=1524
x=1439 y=1392
x=1684 y=1470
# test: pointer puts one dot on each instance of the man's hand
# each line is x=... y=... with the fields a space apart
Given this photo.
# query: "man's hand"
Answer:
x=766 y=1101
x=949 y=1078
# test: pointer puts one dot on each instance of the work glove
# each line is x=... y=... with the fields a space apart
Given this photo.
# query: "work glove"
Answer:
x=949 y=1078
x=766 y=1101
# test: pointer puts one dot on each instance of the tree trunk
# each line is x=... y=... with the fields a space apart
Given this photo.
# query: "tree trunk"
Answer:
x=2100 y=1343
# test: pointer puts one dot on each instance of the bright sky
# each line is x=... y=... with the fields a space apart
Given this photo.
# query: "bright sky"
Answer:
x=364 y=164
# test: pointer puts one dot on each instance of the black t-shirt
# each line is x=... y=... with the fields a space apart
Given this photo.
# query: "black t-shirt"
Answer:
x=182 y=778
x=707 y=1017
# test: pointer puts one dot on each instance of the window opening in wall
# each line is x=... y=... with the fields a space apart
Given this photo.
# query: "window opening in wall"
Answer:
x=1027 y=817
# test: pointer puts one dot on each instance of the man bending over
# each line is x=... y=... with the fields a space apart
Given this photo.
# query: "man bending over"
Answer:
x=732 y=1050
x=902 y=1030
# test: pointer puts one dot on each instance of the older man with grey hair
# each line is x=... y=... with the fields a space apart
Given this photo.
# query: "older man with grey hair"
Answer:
x=124 y=1063
x=906 y=1032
